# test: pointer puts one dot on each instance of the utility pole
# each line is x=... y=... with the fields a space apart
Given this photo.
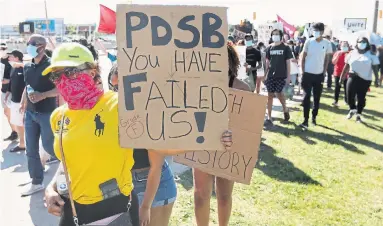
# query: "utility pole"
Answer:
x=46 y=17
x=376 y=11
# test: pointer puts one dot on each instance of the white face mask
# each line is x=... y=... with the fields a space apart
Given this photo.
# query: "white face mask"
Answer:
x=316 y=34
x=276 y=38
x=249 y=43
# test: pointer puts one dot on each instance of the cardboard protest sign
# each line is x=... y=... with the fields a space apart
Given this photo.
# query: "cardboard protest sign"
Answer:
x=247 y=112
x=239 y=34
x=355 y=24
x=264 y=31
x=173 y=76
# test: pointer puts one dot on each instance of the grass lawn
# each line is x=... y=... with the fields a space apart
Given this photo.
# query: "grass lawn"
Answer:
x=329 y=175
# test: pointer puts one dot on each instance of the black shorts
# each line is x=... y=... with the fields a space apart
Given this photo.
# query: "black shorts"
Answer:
x=275 y=85
x=100 y=210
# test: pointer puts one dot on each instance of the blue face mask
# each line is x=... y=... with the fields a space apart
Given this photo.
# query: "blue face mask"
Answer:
x=32 y=51
x=249 y=43
x=362 y=45
x=316 y=34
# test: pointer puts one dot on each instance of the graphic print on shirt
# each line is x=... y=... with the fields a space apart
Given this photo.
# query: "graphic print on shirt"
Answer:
x=276 y=52
x=65 y=127
x=100 y=126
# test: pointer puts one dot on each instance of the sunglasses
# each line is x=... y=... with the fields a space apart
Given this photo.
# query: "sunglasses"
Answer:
x=33 y=43
x=362 y=41
x=70 y=73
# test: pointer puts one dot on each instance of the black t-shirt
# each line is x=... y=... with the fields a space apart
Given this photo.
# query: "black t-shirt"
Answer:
x=141 y=158
x=33 y=77
x=277 y=55
x=7 y=74
x=252 y=57
x=17 y=84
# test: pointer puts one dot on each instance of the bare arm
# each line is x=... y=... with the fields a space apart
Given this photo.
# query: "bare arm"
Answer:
x=50 y=93
x=267 y=67
x=156 y=161
x=53 y=184
x=345 y=70
x=326 y=62
x=335 y=59
x=5 y=81
x=23 y=101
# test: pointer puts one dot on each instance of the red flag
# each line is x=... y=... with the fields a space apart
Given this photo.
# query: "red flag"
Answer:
x=107 y=20
x=289 y=29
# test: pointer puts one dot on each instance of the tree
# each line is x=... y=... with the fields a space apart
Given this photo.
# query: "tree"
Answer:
x=70 y=30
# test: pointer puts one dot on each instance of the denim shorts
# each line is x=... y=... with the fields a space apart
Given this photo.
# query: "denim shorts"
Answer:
x=167 y=190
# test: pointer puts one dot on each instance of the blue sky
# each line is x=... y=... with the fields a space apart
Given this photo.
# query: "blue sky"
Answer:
x=294 y=11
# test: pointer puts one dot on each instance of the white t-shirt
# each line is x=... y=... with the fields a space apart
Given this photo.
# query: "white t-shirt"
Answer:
x=361 y=64
x=316 y=54
x=2 y=68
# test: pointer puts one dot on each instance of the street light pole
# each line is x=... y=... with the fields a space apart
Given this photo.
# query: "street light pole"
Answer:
x=376 y=11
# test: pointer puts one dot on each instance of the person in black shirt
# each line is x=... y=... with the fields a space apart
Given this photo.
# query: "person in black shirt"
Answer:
x=15 y=91
x=253 y=61
x=38 y=102
x=278 y=57
x=5 y=73
x=91 y=48
x=380 y=50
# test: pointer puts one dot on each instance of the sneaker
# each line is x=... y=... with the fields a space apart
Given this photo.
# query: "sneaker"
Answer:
x=335 y=104
x=351 y=114
x=32 y=189
x=17 y=149
x=269 y=122
x=287 y=116
x=304 y=125
x=51 y=161
x=12 y=137
x=359 y=118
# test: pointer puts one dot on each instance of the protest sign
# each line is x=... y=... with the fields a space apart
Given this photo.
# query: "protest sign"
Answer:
x=239 y=34
x=264 y=31
x=355 y=24
x=247 y=112
x=173 y=76
x=241 y=50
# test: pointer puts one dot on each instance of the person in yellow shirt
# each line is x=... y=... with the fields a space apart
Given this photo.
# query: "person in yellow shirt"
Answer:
x=87 y=126
x=99 y=169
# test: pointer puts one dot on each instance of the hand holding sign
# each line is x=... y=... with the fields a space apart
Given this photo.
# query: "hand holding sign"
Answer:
x=173 y=76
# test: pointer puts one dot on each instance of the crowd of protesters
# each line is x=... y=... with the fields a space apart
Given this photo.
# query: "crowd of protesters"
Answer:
x=310 y=63
x=139 y=182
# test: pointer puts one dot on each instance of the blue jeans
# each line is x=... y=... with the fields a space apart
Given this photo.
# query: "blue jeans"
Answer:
x=37 y=124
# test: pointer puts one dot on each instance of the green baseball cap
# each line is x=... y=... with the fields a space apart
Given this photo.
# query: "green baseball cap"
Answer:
x=69 y=55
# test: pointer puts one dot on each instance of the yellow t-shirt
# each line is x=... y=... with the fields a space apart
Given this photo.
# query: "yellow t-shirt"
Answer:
x=92 y=151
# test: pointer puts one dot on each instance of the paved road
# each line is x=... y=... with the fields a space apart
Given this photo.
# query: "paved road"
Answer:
x=28 y=211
